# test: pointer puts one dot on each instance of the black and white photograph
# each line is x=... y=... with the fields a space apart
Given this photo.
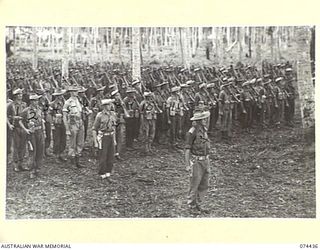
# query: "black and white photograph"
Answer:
x=160 y=122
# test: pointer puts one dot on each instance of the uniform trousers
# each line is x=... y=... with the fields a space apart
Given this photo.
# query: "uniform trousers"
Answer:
x=106 y=155
x=199 y=181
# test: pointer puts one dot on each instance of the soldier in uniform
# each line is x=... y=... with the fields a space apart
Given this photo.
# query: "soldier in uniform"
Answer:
x=173 y=108
x=86 y=110
x=14 y=110
x=104 y=137
x=201 y=96
x=271 y=101
x=131 y=122
x=148 y=118
x=44 y=102
x=197 y=159
x=161 y=125
x=279 y=110
x=188 y=112
x=262 y=101
x=95 y=104
x=72 y=118
x=58 y=128
x=246 y=106
x=225 y=111
x=33 y=124
x=119 y=108
x=291 y=95
x=213 y=107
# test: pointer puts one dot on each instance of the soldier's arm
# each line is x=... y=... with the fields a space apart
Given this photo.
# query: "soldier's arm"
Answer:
x=141 y=107
x=189 y=140
x=9 y=115
x=24 y=116
x=221 y=102
x=95 y=128
x=168 y=103
x=65 y=117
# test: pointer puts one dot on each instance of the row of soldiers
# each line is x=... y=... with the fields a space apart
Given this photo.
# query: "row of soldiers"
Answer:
x=43 y=106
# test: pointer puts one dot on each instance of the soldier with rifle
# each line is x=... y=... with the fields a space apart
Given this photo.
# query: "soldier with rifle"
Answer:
x=280 y=96
x=95 y=103
x=246 y=106
x=58 y=128
x=189 y=103
x=122 y=114
x=44 y=102
x=132 y=121
x=174 y=111
x=291 y=95
x=32 y=123
x=86 y=112
x=19 y=138
x=262 y=100
x=225 y=111
x=161 y=124
x=148 y=116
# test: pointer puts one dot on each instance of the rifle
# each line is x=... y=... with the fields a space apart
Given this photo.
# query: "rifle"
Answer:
x=208 y=95
x=234 y=96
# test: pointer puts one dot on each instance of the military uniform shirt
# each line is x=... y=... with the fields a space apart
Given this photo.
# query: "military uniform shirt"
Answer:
x=105 y=121
x=32 y=118
x=15 y=109
x=197 y=141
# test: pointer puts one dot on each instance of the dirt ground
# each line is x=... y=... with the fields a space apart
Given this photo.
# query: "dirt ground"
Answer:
x=266 y=173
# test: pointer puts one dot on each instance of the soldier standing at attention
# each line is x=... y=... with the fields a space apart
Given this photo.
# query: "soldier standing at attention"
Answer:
x=72 y=118
x=198 y=145
x=173 y=106
x=58 y=128
x=132 y=121
x=148 y=118
x=225 y=111
x=33 y=124
x=14 y=110
x=104 y=138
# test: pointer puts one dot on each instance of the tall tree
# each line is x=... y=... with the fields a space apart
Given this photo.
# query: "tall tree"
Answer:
x=35 y=48
x=65 y=51
x=304 y=76
x=136 y=57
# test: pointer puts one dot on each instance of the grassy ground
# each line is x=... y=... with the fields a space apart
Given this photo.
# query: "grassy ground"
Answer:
x=267 y=173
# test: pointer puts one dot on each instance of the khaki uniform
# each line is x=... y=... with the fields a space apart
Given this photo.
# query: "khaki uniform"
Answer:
x=104 y=125
x=198 y=143
x=148 y=122
x=72 y=109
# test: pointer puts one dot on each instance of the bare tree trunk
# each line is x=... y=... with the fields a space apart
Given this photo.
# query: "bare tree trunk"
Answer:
x=271 y=31
x=35 y=49
x=305 y=86
x=240 y=39
x=278 y=37
x=258 y=45
x=74 y=43
x=65 y=58
x=136 y=56
x=113 y=38
x=216 y=42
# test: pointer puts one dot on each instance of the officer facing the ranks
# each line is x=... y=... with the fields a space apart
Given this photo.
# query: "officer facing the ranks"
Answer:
x=104 y=137
x=198 y=145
